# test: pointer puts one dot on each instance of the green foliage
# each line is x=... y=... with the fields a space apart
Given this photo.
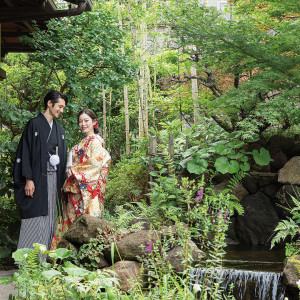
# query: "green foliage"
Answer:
x=37 y=279
x=127 y=181
x=289 y=228
x=226 y=152
x=252 y=45
x=91 y=56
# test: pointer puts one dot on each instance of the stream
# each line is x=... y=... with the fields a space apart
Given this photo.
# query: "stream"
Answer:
x=255 y=273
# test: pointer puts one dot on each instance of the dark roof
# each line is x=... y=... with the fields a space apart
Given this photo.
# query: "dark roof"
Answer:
x=16 y=18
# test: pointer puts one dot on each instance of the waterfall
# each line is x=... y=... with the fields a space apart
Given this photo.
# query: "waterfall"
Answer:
x=246 y=284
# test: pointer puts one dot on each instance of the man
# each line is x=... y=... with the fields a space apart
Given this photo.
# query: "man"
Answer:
x=39 y=173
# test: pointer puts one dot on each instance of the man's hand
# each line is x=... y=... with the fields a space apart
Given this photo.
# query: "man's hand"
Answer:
x=29 y=188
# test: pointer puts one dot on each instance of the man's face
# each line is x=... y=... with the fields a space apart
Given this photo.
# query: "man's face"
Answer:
x=57 y=109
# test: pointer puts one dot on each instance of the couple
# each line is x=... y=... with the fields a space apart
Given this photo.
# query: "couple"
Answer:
x=40 y=172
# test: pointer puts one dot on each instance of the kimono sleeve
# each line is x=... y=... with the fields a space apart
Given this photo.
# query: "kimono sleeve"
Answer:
x=89 y=170
x=23 y=164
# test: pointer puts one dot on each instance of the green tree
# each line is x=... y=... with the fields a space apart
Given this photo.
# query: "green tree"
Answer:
x=254 y=44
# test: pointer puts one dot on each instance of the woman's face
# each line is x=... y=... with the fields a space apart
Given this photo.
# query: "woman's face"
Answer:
x=86 y=124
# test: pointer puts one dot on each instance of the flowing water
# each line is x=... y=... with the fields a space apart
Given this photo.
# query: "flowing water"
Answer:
x=255 y=274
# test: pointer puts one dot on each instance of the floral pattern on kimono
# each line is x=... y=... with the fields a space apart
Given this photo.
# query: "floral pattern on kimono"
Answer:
x=87 y=178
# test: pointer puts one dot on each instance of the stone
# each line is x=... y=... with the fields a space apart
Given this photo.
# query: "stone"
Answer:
x=270 y=190
x=291 y=271
x=129 y=246
x=284 y=198
x=146 y=224
x=64 y=243
x=257 y=224
x=250 y=184
x=279 y=160
x=231 y=233
x=85 y=227
x=290 y=172
x=176 y=256
x=279 y=142
x=128 y=273
x=239 y=191
x=295 y=151
x=102 y=264
x=167 y=231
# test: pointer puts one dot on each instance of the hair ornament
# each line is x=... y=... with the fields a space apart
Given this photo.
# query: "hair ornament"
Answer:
x=96 y=126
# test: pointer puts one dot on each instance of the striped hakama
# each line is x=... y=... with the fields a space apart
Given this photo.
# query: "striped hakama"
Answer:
x=41 y=229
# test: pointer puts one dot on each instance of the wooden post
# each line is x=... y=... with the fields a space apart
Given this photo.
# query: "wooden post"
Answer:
x=195 y=94
x=171 y=153
x=125 y=91
x=104 y=114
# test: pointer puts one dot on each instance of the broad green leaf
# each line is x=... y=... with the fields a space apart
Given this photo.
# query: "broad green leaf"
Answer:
x=222 y=165
x=197 y=166
x=233 y=167
x=61 y=253
x=21 y=254
x=50 y=274
x=262 y=157
x=245 y=167
x=236 y=144
x=79 y=272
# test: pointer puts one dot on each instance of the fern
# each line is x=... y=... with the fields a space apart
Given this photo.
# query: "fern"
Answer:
x=33 y=262
x=284 y=229
x=235 y=180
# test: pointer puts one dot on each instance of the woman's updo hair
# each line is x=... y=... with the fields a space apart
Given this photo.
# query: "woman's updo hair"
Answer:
x=90 y=114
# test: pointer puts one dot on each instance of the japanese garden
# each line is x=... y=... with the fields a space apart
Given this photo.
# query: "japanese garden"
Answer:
x=198 y=106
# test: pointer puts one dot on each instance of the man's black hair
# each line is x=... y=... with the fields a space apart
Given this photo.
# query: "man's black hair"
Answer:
x=54 y=96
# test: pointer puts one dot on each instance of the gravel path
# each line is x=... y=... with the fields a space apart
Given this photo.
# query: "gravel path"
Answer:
x=6 y=290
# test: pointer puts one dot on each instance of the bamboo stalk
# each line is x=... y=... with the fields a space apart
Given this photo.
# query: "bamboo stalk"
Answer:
x=195 y=94
x=104 y=114
x=125 y=91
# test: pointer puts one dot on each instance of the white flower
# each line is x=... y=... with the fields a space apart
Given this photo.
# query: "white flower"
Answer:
x=18 y=160
x=36 y=133
x=197 y=287
x=42 y=248
x=63 y=137
x=298 y=283
x=25 y=255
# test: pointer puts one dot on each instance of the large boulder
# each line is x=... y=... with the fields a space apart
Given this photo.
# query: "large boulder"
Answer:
x=250 y=184
x=128 y=273
x=64 y=243
x=279 y=142
x=260 y=218
x=291 y=271
x=290 y=172
x=174 y=230
x=176 y=256
x=130 y=246
x=145 y=224
x=85 y=227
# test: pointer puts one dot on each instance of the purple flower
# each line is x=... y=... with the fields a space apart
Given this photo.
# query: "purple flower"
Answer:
x=149 y=247
x=200 y=195
x=219 y=213
x=226 y=215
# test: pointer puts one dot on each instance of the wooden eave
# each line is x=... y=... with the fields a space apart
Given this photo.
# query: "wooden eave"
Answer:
x=16 y=17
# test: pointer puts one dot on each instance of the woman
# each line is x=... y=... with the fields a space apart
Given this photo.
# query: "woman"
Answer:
x=88 y=169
